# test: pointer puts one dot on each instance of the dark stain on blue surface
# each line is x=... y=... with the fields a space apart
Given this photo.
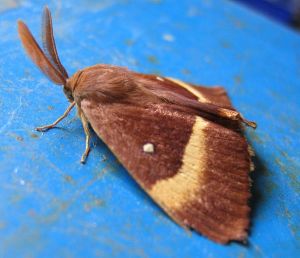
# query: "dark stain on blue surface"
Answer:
x=260 y=176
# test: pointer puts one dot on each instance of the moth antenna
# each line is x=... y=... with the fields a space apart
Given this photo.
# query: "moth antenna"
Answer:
x=38 y=56
x=49 y=45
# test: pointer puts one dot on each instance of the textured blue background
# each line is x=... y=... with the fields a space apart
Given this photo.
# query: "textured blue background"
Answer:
x=52 y=206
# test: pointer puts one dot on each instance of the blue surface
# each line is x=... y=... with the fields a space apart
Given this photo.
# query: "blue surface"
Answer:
x=51 y=205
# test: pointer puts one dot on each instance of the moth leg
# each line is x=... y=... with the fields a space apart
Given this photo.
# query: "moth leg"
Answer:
x=47 y=127
x=85 y=125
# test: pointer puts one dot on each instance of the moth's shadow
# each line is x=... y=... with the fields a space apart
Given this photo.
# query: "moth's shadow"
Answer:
x=259 y=182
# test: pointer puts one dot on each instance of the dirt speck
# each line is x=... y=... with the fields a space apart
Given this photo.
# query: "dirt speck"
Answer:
x=93 y=203
x=129 y=42
x=270 y=187
x=238 y=79
x=34 y=135
x=225 y=44
x=152 y=59
x=2 y=225
x=103 y=158
x=69 y=179
x=156 y=72
x=186 y=71
x=255 y=137
x=17 y=137
x=155 y=1
x=291 y=171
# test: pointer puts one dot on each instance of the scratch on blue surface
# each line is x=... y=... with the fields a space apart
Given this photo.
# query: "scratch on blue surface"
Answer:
x=11 y=117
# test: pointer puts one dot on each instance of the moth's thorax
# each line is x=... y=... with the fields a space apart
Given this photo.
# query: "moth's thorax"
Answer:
x=93 y=75
x=105 y=83
x=113 y=84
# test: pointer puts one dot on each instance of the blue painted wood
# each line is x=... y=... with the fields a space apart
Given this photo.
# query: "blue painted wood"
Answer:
x=51 y=205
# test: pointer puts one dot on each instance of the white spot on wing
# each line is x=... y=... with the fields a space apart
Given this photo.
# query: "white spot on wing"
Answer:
x=183 y=187
x=148 y=148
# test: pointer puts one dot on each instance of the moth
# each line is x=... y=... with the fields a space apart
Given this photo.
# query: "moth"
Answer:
x=182 y=143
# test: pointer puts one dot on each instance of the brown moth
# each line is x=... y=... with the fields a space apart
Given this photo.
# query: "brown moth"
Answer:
x=182 y=143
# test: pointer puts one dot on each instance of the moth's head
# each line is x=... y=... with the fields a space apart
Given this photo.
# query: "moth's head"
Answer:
x=45 y=58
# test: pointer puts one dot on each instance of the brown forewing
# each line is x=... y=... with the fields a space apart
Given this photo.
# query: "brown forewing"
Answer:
x=202 y=185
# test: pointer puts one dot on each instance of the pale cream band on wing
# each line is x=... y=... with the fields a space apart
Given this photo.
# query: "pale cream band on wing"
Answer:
x=188 y=87
x=172 y=193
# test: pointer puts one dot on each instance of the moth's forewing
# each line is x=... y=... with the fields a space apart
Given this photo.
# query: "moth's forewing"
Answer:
x=199 y=169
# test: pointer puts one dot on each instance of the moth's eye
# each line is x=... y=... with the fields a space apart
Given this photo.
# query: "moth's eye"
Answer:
x=68 y=94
